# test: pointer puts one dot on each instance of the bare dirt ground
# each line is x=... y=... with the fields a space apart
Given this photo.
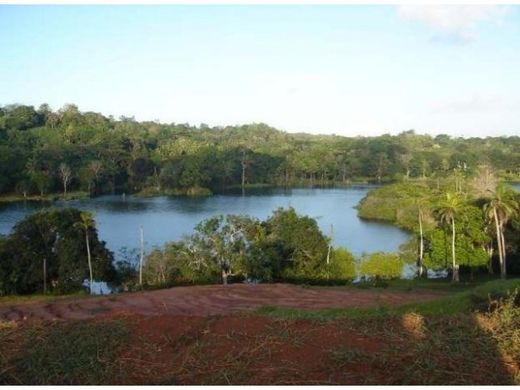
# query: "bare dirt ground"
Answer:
x=208 y=300
x=207 y=335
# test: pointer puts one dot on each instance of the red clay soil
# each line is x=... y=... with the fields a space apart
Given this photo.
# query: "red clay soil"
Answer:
x=251 y=350
x=208 y=300
x=240 y=349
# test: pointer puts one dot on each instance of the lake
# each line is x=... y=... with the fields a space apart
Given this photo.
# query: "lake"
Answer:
x=169 y=218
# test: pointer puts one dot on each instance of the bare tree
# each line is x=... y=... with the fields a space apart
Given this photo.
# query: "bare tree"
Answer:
x=405 y=159
x=485 y=182
x=95 y=167
x=65 y=175
x=244 y=161
x=330 y=243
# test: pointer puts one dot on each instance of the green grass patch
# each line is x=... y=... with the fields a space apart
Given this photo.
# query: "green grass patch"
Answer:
x=34 y=298
x=458 y=302
x=67 y=353
x=433 y=285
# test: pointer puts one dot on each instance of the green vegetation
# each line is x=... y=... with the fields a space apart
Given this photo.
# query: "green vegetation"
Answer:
x=58 y=153
x=50 y=251
x=286 y=246
x=445 y=190
x=381 y=266
x=64 y=353
x=476 y=298
x=464 y=220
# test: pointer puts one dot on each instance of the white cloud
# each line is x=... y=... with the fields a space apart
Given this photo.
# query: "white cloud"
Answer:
x=457 y=21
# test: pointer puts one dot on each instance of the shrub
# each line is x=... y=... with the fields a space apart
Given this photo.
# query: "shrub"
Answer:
x=380 y=265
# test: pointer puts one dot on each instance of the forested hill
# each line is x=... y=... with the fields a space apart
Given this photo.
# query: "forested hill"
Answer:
x=44 y=151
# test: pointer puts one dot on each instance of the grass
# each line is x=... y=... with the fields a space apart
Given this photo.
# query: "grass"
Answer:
x=434 y=284
x=462 y=301
x=65 y=353
x=48 y=298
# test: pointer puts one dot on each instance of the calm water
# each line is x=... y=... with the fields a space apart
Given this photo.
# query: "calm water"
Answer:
x=169 y=218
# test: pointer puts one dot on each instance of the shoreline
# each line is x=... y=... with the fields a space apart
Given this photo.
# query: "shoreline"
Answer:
x=196 y=192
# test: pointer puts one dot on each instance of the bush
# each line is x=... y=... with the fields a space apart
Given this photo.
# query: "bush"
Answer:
x=342 y=265
x=381 y=265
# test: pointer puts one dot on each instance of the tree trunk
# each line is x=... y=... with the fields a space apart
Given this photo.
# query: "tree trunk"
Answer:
x=44 y=276
x=421 y=247
x=141 y=258
x=330 y=243
x=243 y=162
x=499 y=243
x=224 y=277
x=489 y=251
x=64 y=188
x=89 y=261
x=455 y=265
x=503 y=270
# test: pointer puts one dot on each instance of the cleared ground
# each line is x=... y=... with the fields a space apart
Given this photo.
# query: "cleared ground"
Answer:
x=213 y=335
x=210 y=300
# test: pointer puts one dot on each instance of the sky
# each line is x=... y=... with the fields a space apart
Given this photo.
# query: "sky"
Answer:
x=337 y=69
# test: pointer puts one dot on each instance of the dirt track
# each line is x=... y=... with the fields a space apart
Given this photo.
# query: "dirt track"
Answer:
x=208 y=300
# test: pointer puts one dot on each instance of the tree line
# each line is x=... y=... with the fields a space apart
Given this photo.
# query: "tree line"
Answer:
x=471 y=224
x=58 y=251
x=44 y=151
x=472 y=221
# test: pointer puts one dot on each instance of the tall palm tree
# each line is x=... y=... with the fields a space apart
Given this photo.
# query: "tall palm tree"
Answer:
x=86 y=223
x=499 y=208
x=447 y=211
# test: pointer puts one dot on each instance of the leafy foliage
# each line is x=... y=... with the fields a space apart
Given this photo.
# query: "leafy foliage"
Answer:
x=380 y=265
x=285 y=246
x=52 y=239
x=106 y=155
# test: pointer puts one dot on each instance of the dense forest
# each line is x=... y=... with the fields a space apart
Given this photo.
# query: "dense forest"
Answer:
x=44 y=152
x=472 y=223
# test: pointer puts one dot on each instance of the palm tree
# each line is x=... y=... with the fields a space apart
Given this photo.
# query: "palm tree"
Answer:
x=500 y=208
x=447 y=211
x=86 y=223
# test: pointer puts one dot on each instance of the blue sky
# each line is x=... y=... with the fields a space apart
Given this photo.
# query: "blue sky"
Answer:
x=344 y=69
